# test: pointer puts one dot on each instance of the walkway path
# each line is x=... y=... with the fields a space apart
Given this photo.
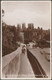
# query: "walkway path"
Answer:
x=25 y=67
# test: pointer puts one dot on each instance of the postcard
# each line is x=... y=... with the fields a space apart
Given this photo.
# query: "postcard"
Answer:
x=25 y=39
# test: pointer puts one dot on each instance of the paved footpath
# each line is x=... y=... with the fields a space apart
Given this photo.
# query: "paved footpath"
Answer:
x=25 y=67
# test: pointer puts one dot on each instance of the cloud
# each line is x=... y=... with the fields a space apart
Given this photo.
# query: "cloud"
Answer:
x=28 y=13
x=18 y=16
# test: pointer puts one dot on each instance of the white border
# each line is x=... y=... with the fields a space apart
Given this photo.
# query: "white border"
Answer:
x=1 y=40
x=50 y=40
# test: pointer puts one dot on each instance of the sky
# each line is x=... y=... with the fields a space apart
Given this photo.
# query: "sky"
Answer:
x=18 y=12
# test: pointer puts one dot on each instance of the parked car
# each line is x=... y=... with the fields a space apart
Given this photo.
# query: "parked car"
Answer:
x=31 y=45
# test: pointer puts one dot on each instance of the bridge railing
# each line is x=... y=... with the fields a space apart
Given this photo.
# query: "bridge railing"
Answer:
x=11 y=63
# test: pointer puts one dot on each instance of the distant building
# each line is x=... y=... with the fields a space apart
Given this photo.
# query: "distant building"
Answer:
x=30 y=26
x=23 y=27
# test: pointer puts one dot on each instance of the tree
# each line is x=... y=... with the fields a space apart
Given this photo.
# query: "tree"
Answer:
x=9 y=34
x=14 y=31
x=41 y=28
x=47 y=35
x=3 y=12
x=38 y=28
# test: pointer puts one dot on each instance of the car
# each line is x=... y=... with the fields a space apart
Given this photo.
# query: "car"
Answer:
x=31 y=45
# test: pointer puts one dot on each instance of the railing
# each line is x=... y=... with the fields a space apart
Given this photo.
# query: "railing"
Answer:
x=38 y=71
x=11 y=63
x=36 y=52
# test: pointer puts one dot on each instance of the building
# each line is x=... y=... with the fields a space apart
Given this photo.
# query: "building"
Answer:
x=31 y=26
x=23 y=27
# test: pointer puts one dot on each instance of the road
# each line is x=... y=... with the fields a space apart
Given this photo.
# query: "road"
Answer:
x=17 y=65
x=26 y=70
x=38 y=71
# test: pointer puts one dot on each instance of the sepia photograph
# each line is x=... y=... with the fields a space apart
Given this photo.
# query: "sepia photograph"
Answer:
x=26 y=49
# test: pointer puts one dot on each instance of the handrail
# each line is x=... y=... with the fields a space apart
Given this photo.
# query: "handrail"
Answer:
x=44 y=63
x=6 y=59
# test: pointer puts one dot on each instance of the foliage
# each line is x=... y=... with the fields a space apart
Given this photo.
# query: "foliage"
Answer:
x=36 y=34
x=10 y=35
